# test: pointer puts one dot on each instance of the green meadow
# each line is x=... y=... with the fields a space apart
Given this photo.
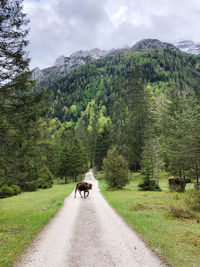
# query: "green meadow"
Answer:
x=23 y=216
x=175 y=240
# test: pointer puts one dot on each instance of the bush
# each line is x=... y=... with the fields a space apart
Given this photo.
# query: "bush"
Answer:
x=6 y=191
x=115 y=169
x=9 y=191
x=149 y=185
x=30 y=186
x=45 y=185
x=16 y=189
x=177 y=184
x=180 y=212
x=45 y=179
x=179 y=209
x=192 y=199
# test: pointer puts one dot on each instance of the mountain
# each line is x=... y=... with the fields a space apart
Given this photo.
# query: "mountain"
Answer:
x=151 y=43
x=65 y=64
x=97 y=79
x=188 y=46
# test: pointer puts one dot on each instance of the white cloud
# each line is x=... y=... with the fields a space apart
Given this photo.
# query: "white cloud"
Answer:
x=64 y=26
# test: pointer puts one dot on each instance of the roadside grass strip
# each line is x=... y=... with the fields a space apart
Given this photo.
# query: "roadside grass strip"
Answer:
x=23 y=216
x=175 y=240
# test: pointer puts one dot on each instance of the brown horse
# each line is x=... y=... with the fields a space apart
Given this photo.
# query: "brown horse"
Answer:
x=83 y=186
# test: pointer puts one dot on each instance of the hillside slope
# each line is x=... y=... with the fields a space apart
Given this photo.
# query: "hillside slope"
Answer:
x=160 y=67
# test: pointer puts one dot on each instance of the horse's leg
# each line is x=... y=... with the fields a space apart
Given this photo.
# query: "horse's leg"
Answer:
x=87 y=193
x=80 y=193
x=75 y=192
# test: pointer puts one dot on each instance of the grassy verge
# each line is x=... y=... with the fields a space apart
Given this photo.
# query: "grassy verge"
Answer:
x=177 y=241
x=23 y=216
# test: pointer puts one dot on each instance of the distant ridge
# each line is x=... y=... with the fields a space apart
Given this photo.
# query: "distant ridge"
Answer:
x=65 y=64
x=188 y=46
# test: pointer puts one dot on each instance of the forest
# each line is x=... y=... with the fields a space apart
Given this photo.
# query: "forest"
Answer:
x=144 y=103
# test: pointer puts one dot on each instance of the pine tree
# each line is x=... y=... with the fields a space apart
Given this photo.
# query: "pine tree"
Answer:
x=20 y=108
x=180 y=134
x=115 y=168
x=72 y=160
x=136 y=119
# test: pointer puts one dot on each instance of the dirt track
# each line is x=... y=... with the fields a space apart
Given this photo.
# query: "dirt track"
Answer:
x=87 y=233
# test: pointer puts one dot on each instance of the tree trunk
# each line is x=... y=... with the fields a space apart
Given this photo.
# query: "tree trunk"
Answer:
x=180 y=175
x=66 y=179
x=196 y=170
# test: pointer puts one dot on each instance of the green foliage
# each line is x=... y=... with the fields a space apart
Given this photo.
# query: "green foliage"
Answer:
x=115 y=169
x=16 y=189
x=45 y=178
x=178 y=207
x=8 y=191
x=192 y=199
x=149 y=185
x=140 y=101
x=180 y=212
x=21 y=107
x=159 y=67
x=177 y=186
x=72 y=159
x=180 y=134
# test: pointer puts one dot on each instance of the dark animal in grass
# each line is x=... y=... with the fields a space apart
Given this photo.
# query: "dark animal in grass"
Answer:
x=178 y=184
x=83 y=186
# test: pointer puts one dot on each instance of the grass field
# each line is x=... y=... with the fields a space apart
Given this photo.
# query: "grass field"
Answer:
x=177 y=241
x=23 y=216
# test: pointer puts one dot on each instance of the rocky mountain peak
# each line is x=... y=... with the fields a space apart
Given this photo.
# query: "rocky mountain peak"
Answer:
x=94 y=53
x=37 y=74
x=151 y=43
x=188 y=46
x=60 y=61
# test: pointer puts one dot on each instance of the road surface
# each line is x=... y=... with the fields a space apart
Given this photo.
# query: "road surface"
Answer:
x=86 y=233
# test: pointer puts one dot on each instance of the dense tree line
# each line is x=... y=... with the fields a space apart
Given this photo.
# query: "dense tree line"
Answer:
x=22 y=160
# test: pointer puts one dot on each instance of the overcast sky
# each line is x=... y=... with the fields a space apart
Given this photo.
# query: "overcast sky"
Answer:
x=61 y=27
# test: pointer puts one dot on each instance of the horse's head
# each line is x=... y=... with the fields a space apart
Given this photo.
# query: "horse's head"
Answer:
x=90 y=186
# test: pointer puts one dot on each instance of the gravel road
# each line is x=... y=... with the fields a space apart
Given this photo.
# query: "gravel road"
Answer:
x=86 y=233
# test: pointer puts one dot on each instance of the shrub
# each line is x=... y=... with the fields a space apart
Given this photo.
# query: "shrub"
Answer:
x=7 y=191
x=179 y=209
x=180 y=212
x=115 y=169
x=30 y=186
x=192 y=199
x=46 y=178
x=177 y=184
x=149 y=185
x=16 y=189
x=45 y=185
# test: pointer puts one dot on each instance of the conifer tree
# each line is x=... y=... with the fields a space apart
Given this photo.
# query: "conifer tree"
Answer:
x=115 y=168
x=20 y=108
x=180 y=134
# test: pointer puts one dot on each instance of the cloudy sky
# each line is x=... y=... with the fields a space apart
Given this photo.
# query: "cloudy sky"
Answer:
x=61 y=27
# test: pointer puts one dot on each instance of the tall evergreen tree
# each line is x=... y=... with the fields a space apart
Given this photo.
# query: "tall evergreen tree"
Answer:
x=20 y=108
x=180 y=135
x=137 y=118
